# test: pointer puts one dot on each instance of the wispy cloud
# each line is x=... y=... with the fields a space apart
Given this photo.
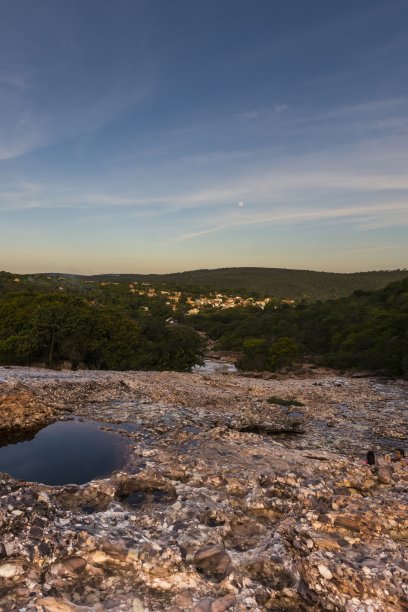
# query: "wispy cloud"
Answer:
x=14 y=80
x=398 y=218
x=77 y=88
x=371 y=170
x=387 y=247
x=279 y=108
x=383 y=210
x=263 y=112
x=380 y=108
x=24 y=128
x=250 y=114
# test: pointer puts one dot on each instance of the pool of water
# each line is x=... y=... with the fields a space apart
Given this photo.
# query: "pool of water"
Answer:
x=66 y=452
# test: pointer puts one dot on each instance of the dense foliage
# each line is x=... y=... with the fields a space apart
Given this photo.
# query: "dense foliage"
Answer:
x=279 y=282
x=106 y=324
x=50 y=329
x=365 y=331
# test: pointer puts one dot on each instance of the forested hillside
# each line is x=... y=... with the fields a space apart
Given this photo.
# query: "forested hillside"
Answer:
x=50 y=329
x=279 y=282
x=368 y=330
x=50 y=320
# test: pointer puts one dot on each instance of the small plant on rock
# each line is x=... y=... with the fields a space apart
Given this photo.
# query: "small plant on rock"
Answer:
x=280 y=401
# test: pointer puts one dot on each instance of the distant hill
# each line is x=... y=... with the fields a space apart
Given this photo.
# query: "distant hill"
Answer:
x=280 y=282
x=367 y=331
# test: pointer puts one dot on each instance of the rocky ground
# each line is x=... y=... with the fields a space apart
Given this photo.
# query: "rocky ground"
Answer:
x=226 y=502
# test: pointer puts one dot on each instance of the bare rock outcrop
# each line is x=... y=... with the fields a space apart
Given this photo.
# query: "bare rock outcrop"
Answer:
x=222 y=505
x=21 y=410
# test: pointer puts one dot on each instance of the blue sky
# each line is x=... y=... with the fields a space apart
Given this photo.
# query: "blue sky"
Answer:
x=158 y=136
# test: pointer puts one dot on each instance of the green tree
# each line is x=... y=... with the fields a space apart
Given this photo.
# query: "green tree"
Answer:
x=281 y=353
x=255 y=354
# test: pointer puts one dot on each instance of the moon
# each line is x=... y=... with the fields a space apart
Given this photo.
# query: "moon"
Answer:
x=240 y=204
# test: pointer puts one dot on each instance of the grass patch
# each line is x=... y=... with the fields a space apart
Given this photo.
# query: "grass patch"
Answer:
x=280 y=401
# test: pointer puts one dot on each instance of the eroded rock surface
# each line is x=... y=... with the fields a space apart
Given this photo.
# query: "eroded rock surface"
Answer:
x=22 y=410
x=226 y=501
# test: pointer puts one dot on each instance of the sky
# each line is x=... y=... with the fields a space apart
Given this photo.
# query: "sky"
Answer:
x=161 y=136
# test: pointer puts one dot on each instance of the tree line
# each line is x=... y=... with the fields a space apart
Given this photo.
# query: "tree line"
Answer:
x=368 y=330
x=107 y=327
x=49 y=329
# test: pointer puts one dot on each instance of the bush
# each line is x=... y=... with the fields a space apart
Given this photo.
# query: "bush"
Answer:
x=259 y=355
x=280 y=401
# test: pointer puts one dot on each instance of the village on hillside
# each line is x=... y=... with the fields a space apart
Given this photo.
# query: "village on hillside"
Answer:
x=201 y=302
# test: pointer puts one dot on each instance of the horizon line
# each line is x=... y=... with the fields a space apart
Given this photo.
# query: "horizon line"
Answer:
x=78 y=274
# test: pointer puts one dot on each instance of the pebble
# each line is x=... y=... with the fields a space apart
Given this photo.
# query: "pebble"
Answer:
x=8 y=570
x=137 y=605
x=325 y=572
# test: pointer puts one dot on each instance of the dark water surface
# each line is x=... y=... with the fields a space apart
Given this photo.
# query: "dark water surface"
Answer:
x=66 y=452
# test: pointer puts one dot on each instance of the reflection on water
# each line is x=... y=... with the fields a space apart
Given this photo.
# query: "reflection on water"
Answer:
x=66 y=452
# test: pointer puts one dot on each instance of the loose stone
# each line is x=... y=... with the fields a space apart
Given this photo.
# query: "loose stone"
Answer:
x=325 y=572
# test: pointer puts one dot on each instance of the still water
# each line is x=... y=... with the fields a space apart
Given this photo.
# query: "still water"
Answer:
x=66 y=452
